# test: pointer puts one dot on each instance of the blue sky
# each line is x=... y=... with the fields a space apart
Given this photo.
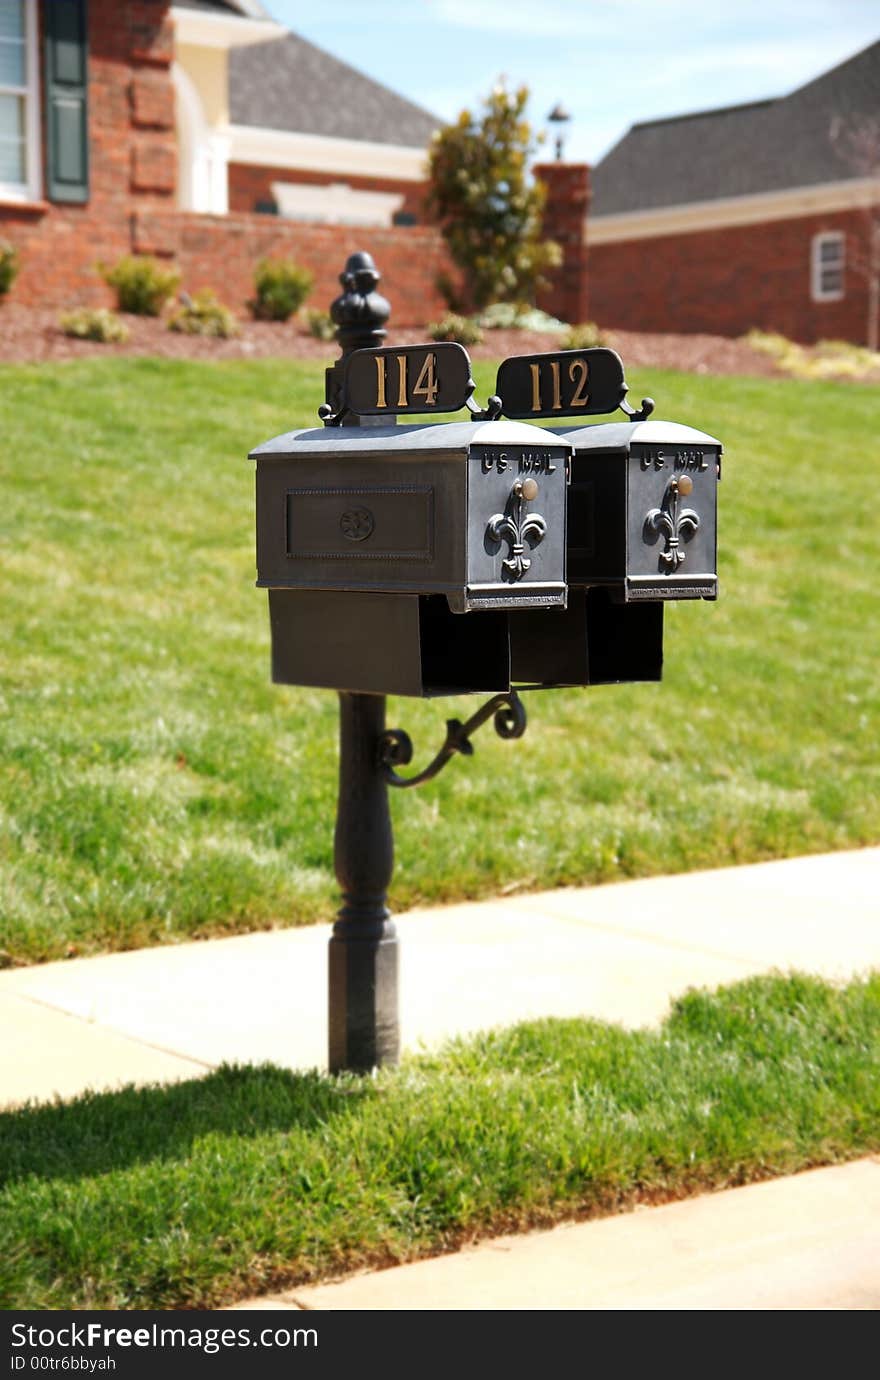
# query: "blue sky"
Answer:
x=611 y=62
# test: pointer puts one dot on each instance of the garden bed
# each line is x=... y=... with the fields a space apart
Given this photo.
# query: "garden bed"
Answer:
x=29 y=334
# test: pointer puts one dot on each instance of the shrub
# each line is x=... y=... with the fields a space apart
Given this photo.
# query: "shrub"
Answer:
x=8 y=266
x=281 y=286
x=142 y=285
x=204 y=315
x=586 y=336
x=320 y=324
x=85 y=323
x=462 y=329
x=515 y=316
x=829 y=359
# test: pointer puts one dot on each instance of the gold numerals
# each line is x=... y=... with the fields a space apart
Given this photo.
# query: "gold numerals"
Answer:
x=423 y=392
x=561 y=383
x=559 y=386
x=408 y=378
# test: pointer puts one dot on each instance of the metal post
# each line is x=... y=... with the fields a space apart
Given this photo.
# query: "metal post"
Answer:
x=364 y=1025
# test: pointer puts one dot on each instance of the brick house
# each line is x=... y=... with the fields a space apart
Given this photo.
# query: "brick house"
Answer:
x=748 y=216
x=145 y=126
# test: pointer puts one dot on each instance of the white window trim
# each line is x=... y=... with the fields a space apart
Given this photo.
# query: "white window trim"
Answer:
x=32 y=189
x=817 y=292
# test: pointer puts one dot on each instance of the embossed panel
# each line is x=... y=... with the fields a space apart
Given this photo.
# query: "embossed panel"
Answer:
x=376 y=522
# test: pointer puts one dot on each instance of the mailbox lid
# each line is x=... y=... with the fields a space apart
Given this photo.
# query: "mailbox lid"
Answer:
x=449 y=437
x=409 y=508
x=654 y=484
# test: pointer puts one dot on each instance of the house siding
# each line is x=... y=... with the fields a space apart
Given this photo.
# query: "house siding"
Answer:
x=727 y=281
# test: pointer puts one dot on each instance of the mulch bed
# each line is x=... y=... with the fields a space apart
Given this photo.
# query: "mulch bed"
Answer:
x=30 y=334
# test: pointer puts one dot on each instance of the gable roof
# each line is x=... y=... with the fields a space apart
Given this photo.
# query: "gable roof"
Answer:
x=289 y=84
x=740 y=150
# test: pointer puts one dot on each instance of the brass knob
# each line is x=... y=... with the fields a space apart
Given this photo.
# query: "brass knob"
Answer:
x=527 y=488
x=683 y=484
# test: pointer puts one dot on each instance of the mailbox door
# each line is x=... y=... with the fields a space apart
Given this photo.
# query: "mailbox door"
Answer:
x=671 y=521
x=516 y=526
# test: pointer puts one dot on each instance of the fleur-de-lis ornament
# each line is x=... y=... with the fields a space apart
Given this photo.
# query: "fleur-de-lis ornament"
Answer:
x=673 y=521
x=516 y=525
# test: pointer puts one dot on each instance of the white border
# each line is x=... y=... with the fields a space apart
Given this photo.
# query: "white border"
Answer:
x=32 y=189
x=204 y=30
x=275 y=148
x=735 y=210
x=816 y=266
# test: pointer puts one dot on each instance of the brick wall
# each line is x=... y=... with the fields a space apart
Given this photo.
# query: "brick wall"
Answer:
x=249 y=185
x=565 y=221
x=132 y=156
x=728 y=281
x=220 y=252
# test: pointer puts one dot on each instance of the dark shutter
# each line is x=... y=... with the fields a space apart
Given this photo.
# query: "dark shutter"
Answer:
x=67 y=127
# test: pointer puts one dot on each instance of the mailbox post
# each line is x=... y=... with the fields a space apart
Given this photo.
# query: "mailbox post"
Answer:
x=478 y=556
x=363 y=1002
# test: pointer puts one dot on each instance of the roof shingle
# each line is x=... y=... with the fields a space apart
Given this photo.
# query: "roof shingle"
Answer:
x=289 y=84
x=740 y=150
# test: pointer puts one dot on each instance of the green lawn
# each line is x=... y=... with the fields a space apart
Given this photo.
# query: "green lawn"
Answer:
x=252 y=1178
x=155 y=785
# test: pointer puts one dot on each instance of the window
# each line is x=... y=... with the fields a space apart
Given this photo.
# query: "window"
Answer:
x=19 y=116
x=827 y=266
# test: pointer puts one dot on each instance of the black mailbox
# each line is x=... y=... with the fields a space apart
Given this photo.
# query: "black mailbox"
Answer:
x=483 y=555
x=642 y=510
x=394 y=555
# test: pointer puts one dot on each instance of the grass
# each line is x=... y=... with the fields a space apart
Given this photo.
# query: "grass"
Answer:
x=154 y=785
x=253 y=1178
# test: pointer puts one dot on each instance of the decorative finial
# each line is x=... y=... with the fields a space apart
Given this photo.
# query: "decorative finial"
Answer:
x=360 y=312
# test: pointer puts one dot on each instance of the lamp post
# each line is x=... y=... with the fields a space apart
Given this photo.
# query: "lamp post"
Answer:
x=559 y=116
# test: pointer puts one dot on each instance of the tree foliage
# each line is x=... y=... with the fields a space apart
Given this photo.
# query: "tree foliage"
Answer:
x=488 y=207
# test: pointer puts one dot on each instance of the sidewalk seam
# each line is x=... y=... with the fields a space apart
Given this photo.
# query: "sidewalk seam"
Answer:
x=113 y=1030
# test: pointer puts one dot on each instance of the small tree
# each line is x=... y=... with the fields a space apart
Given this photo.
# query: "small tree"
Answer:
x=488 y=208
x=857 y=142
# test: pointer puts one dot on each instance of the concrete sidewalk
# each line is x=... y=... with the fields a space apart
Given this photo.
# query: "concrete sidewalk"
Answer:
x=618 y=952
x=811 y=1241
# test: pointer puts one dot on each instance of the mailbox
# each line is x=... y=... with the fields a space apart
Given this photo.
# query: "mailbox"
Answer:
x=642 y=510
x=481 y=555
x=393 y=555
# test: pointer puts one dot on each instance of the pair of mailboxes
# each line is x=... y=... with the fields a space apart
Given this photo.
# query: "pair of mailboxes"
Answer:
x=482 y=555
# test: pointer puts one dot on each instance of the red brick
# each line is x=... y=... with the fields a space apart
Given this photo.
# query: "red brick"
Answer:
x=565 y=221
x=152 y=101
x=728 y=281
x=155 y=232
x=153 y=167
